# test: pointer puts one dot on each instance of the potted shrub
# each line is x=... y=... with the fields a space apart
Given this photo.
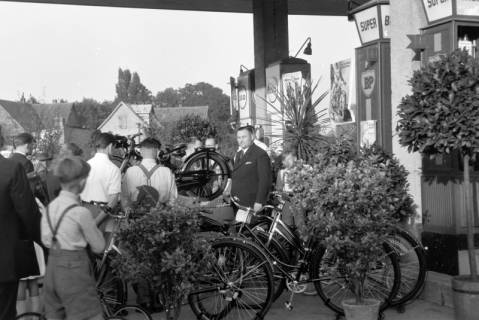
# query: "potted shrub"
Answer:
x=347 y=208
x=441 y=115
x=161 y=248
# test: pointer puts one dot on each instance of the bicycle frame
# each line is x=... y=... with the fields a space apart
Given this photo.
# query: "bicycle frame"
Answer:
x=286 y=234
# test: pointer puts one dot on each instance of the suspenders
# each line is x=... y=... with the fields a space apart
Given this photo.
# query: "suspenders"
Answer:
x=54 y=230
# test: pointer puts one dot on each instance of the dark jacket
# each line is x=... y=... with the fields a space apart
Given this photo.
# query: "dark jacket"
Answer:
x=23 y=160
x=251 y=178
x=19 y=217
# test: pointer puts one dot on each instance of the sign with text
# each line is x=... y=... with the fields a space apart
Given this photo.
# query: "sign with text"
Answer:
x=468 y=7
x=368 y=134
x=368 y=24
x=437 y=9
x=386 y=20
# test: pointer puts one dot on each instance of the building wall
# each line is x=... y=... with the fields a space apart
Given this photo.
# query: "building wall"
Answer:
x=123 y=122
x=407 y=18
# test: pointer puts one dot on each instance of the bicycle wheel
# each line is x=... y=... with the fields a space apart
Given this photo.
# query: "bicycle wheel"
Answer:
x=130 y=312
x=111 y=289
x=412 y=262
x=205 y=175
x=239 y=286
x=277 y=254
x=30 y=316
x=382 y=283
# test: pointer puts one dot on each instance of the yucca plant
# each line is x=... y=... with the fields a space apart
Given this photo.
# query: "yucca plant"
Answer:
x=301 y=123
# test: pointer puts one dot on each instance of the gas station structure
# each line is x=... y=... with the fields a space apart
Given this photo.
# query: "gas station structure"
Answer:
x=397 y=38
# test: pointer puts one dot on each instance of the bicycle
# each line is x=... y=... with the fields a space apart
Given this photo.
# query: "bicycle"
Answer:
x=409 y=251
x=310 y=263
x=111 y=289
x=203 y=174
x=240 y=283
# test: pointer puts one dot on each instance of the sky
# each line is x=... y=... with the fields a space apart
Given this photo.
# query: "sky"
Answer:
x=72 y=52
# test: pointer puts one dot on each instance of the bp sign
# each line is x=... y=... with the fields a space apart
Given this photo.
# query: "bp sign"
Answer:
x=368 y=81
x=242 y=98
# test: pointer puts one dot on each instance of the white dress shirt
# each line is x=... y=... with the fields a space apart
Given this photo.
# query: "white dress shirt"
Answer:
x=162 y=180
x=104 y=179
x=76 y=230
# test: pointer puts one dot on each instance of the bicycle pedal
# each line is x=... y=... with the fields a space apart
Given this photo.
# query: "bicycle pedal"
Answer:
x=288 y=305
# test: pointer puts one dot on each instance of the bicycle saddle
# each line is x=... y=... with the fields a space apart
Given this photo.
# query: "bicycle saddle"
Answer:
x=208 y=224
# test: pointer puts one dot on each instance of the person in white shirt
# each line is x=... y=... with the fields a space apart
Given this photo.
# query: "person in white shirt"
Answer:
x=104 y=181
x=161 y=179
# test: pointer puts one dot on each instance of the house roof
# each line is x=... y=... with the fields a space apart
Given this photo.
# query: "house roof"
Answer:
x=141 y=108
x=176 y=113
x=24 y=114
x=120 y=104
x=47 y=113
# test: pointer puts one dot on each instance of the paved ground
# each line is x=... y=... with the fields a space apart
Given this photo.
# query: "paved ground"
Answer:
x=312 y=308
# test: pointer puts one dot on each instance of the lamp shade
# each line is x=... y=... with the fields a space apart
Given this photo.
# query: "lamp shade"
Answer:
x=308 y=50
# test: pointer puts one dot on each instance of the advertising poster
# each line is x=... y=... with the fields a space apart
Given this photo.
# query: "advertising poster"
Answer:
x=292 y=84
x=468 y=7
x=367 y=133
x=339 y=94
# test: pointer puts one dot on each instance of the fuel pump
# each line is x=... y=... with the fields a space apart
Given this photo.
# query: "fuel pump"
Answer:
x=373 y=74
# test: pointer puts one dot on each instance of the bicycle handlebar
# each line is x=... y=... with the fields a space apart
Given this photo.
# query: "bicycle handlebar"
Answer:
x=109 y=211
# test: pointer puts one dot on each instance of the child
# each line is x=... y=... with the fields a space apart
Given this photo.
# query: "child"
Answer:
x=67 y=228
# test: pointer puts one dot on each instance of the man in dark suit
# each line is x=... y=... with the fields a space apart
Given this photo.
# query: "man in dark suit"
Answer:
x=19 y=220
x=23 y=147
x=251 y=178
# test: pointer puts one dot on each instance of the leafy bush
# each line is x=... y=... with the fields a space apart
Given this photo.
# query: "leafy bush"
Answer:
x=348 y=211
x=398 y=187
x=341 y=152
x=161 y=248
x=441 y=114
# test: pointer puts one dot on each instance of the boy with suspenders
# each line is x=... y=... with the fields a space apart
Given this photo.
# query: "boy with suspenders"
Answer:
x=67 y=228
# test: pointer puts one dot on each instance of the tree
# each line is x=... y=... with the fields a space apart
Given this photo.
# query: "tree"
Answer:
x=200 y=94
x=124 y=78
x=137 y=92
x=129 y=88
x=442 y=115
x=167 y=98
x=49 y=142
x=91 y=113
x=192 y=126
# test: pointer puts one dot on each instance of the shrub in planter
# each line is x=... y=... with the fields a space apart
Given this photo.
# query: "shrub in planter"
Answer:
x=441 y=115
x=161 y=248
x=348 y=213
x=404 y=207
x=342 y=152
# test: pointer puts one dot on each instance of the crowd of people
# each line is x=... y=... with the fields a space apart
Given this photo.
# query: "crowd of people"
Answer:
x=59 y=228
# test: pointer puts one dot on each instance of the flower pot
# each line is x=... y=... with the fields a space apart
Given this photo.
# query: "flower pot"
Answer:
x=173 y=312
x=369 y=310
x=465 y=295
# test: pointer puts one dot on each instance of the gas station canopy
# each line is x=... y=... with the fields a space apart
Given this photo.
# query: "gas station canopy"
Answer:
x=295 y=7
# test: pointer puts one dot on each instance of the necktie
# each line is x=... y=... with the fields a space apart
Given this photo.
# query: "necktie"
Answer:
x=240 y=155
